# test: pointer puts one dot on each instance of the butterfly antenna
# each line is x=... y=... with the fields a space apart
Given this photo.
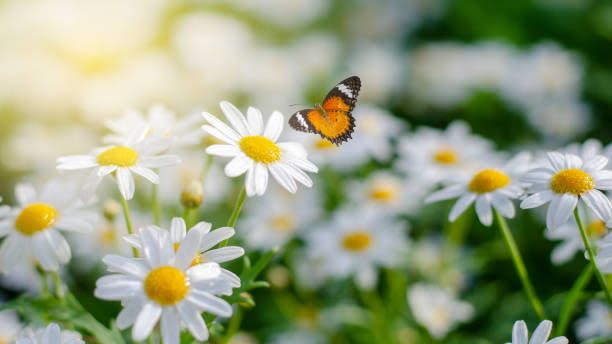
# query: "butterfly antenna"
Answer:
x=297 y=105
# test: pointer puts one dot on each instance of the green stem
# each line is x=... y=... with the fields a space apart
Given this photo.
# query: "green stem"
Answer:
x=601 y=340
x=371 y=300
x=156 y=205
x=190 y=216
x=520 y=266
x=236 y=212
x=572 y=299
x=59 y=287
x=591 y=252
x=234 y=325
x=128 y=221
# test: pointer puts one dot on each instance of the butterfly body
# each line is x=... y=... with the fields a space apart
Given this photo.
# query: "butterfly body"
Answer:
x=332 y=119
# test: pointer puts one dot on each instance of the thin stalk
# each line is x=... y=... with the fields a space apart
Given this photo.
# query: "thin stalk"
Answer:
x=371 y=300
x=44 y=281
x=156 y=205
x=128 y=221
x=520 y=266
x=571 y=300
x=59 y=287
x=236 y=212
x=190 y=216
x=234 y=325
x=591 y=252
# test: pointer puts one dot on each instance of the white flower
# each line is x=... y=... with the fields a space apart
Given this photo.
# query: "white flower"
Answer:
x=597 y=321
x=355 y=243
x=50 y=334
x=264 y=227
x=32 y=228
x=564 y=118
x=387 y=192
x=564 y=181
x=205 y=253
x=134 y=155
x=436 y=309
x=571 y=239
x=160 y=123
x=488 y=188
x=441 y=156
x=254 y=150
x=164 y=287
x=604 y=254
x=9 y=326
x=520 y=334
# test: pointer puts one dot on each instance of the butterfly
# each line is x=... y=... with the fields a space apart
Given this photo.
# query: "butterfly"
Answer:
x=332 y=119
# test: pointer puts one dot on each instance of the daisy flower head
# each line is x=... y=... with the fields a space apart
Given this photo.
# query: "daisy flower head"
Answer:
x=164 y=286
x=488 y=188
x=436 y=309
x=442 y=156
x=255 y=151
x=160 y=123
x=32 y=228
x=135 y=154
x=520 y=334
x=565 y=180
x=205 y=252
x=50 y=334
x=597 y=322
x=355 y=243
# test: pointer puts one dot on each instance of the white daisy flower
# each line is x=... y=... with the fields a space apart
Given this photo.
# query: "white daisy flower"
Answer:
x=520 y=334
x=440 y=156
x=263 y=227
x=488 y=188
x=254 y=150
x=388 y=192
x=597 y=322
x=31 y=229
x=206 y=253
x=436 y=309
x=564 y=181
x=50 y=334
x=134 y=155
x=9 y=326
x=163 y=286
x=159 y=122
x=355 y=243
x=588 y=149
x=571 y=240
x=604 y=254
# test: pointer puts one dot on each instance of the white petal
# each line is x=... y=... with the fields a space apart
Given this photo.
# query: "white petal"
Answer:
x=275 y=126
x=44 y=253
x=51 y=335
x=25 y=193
x=558 y=340
x=238 y=166
x=59 y=245
x=223 y=150
x=117 y=287
x=537 y=199
x=223 y=254
x=538 y=175
x=503 y=205
x=204 y=271
x=146 y=173
x=260 y=176
x=519 y=333
x=449 y=192
x=298 y=175
x=125 y=180
x=204 y=301
x=572 y=161
x=462 y=204
x=560 y=209
x=74 y=224
x=483 y=210
x=302 y=164
x=596 y=163
x=106 y=170
x=556 y=160
x=283 y=178
x=249 y=182
x=146 y=320
x=76 y=162
x=235 y=117
x=203 y=226
x=189 y=248
x=211 y=239
x=220 y=130
x=603 y=180
x=158 y=161
x=541 y=333
x=178 y=229
x=125 y=265
x=170 y=327
x=192 y=318
x=599 y=204
x=294 y=149
x=218 y=134
x=128 y=314
x=255 y=120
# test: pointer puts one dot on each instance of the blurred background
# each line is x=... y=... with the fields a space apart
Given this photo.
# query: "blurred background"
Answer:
x=521 y=73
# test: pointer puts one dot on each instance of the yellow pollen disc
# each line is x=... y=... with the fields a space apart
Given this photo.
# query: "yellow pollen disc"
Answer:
x=35 y=218
x=324 y=145
x=283 y=223
x=446 y=156
x=572 y=180
x=118 y=156
x=357 y=241
x=488 y=180
x=198 y=259
x=383 y=193
x=596 y=229
x=166 y=285
x=260 y=149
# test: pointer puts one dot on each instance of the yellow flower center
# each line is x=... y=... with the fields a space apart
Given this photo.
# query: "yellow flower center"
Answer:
x=283 y=223
x=488 y=180
x=260 y=149
x=572 y=180
x=597 y=229
x=323 y=144
x=107 y=236
x=166 y=285
x=118 y=156
x=198 y=259
x=383 y=193
x=446 y=156
x=35 y=218
x=357 y=241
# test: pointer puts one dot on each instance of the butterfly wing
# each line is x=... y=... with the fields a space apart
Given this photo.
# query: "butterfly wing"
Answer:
x=300 y=122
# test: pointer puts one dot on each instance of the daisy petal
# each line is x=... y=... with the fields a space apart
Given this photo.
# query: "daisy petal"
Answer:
x=25 y=193
x=146 y=320
x=178 y=229
x=541 y=333
x=560 y=210
x=519 y=333
x=483 y=210
x=211 y=239
x=283 y=178
x=170 y=326
x=599 y=204
x=537 y=199
x=189 y=248
x=223 y=150
x=74 y=224
x=159 y=161
x=128 y=314
x=204 y=301
x=192 y=318
x=235 y=117
x=453 y=191
x=556 y=160
x=260 y=175
x=146 y=173
x=255 y=120
x=298 y=175
x=219 y=129
x=223 y=254
x=238 y=166
x=249 y=182
x=572 y=161
x=125 y=265
x=503 y=205
x=204 y=271
x=125 y=180
x=596 y=163
x=274 y=126
x=462 y=204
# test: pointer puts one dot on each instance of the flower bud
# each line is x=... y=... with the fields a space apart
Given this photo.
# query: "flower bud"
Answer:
x=192 y=195
x=111 y=209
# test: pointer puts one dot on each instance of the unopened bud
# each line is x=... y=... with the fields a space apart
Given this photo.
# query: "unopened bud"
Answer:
x=111 y=209
x=246 y=300
x=278 y=276
x=192 y=195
